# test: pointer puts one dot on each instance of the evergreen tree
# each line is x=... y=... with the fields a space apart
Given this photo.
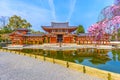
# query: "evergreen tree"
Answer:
x=16 y=22
x=80 y=29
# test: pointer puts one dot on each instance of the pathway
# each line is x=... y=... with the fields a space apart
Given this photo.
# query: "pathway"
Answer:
x=17 y=67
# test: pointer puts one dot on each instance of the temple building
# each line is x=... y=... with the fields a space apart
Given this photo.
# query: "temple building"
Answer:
x=56 y=33
x=87 y=38
x=23 y=36
x=60 y=32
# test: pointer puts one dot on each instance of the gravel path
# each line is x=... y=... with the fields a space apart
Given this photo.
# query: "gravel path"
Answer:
x=17 y=67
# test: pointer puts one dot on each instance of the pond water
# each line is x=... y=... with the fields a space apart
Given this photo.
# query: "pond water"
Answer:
x=108 y=60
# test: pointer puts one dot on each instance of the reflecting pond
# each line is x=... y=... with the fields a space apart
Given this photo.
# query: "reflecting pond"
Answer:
x=98 y=58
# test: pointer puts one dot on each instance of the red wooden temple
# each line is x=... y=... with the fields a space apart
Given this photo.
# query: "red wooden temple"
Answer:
x=56 y=33
x=60 y=32
x=22 y=36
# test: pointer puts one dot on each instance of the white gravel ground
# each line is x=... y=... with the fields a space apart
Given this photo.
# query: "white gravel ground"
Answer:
x=17 y=67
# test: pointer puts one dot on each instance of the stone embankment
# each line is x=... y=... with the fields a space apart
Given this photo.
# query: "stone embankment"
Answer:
x=58 y=47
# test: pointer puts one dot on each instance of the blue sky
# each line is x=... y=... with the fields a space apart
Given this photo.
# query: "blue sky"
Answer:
x=43 y=12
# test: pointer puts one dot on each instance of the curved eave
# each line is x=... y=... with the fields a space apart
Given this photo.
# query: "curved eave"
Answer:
x=34 y=36
x=71 y=29
x=46 y=29
x=14 y=33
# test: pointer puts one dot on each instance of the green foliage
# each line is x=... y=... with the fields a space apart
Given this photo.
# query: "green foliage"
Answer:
x=0 y=47
x=16 y=22
x=5 y=30
x=1 y=39
x=80 y=29
x=119 y=34
x=4 y=37
x=36 y=32
x=113 y=38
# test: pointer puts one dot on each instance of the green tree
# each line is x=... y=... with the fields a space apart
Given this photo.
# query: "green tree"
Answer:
x=6 y=30
x=17 y=22
x=119 y=34
x=80 y=29
x=36 y=32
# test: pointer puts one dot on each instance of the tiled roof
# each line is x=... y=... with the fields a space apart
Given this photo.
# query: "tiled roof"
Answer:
x=34 y=35
x=16 y=32
x=84 y=34
x=22 y=29
x=59 y=25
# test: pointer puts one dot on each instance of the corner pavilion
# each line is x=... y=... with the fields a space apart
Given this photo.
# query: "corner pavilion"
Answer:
x=56 y=33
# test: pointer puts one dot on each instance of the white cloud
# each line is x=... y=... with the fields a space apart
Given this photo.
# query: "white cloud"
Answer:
x=51 y=3
x=72 y=6
x=34 y=14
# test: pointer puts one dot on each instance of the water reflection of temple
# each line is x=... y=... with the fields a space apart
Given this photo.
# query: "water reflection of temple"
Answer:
x=116 y=55
x=95 y=56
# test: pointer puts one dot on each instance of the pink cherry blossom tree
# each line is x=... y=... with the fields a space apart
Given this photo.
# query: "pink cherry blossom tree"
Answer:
x=108 y=23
